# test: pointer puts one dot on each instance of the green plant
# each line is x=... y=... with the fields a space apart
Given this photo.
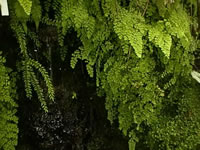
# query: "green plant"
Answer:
x=18 y=24
x=140 y=52
x=8 y=107
x=141 y=61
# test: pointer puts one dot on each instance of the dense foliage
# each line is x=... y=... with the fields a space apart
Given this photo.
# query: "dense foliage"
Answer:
x=8 y=107
x=141 y=53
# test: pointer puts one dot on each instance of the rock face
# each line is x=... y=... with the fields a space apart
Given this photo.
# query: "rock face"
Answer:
x=76 y=121
x=58 y=129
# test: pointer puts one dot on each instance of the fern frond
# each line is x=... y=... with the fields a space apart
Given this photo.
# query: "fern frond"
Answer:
x=50 y=22
x=170 y=83
x=20 y=37
x=161 y=39
x=36 y=13
x=63 y=52
x=47 y=5
x=39 y=91
x=74 y=59
x=161 y=7
x=8 y=120
x=20 y=15
x=28 y=65
x=45 y=75
x=66 y=21
x=90 y=70
x=26 y=4
x=34 y=37
x=178 y=25
x=27 y=79
x=126 y=29
x=80 y=15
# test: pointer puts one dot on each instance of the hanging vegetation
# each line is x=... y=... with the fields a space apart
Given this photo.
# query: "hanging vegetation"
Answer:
x=141 y=53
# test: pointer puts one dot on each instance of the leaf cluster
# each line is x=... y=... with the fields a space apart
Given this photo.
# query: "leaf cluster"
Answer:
x=140 y=54
x=8 y=108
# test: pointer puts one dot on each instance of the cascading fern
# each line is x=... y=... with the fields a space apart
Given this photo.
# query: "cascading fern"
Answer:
x=135 y=93
x=26 y=4
x=36 y=13
x=75 y=56
x=158 y=35
x=140 y=54
x=20 y=28
x=179 y=26
x=27 y=77
x=126 y=28
x=44 y=74
x=8 y=108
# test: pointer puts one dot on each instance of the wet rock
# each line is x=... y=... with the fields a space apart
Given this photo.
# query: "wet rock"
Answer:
x=76 y=121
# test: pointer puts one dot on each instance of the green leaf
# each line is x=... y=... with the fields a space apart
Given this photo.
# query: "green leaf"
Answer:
x=160 y=38
x=26 y=4
x=131 y=144
x=36 y=12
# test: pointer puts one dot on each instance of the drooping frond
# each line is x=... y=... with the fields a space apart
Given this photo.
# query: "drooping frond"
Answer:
x=26 y=4
x=8 y=108
x=161 y=38
x=45 y=75
x=126 y=28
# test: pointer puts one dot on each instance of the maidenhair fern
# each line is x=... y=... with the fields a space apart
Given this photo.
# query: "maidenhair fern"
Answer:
x=127 y=68
x=26 y=4
x=30 y=79
x=39 y=91
x=8 y=108
x=75 y=56
x=126 y=28
x=161 y=38
x=36 y=13
x=27 y=77
x=19 y=26
x=140 y=53
x=21 y=15
x=179 y=25
x=136 y=95
x=44 y=74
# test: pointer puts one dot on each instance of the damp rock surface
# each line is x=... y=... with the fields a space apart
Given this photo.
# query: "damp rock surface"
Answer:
x=77 y=120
